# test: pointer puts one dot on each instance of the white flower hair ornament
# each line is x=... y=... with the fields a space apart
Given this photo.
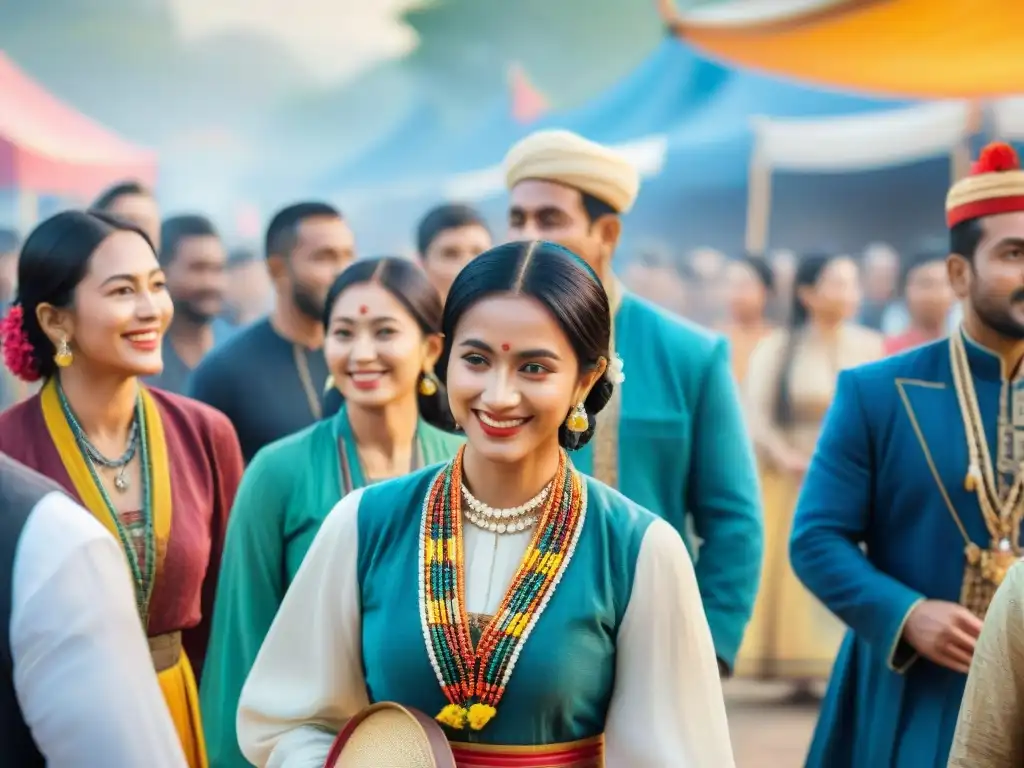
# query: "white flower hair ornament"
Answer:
x=616 y=370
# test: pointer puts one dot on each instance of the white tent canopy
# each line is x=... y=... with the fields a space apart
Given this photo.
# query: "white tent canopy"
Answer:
x=1008 y=118
x=863 y=142
x=647 y=154
x=850 y=144
x=732 y=13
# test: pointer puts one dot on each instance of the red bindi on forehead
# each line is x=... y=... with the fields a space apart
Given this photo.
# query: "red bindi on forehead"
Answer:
x=505 y=347
x=363 y=309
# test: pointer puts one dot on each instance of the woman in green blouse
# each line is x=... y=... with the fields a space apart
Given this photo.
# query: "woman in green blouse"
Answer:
x=383 y=321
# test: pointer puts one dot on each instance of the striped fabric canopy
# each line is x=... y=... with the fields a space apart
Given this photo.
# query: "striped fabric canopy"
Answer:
x=906 y=48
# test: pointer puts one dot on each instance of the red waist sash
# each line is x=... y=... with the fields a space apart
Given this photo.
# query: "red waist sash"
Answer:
x=586 y=753
x=382 y=733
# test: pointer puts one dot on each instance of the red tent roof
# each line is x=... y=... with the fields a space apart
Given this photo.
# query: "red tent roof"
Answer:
x=48 y=147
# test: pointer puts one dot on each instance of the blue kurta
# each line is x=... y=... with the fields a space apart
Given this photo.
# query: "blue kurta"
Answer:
x=888 y=473
x=683 y=450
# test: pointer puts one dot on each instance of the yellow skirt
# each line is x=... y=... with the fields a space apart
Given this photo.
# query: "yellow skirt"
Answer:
x=178 y=684
x=791 y=635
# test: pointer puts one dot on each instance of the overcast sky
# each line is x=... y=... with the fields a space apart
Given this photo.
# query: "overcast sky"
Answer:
x=334 y=37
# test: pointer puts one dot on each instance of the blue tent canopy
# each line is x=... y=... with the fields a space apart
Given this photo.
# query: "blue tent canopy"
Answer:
x=401 y=150
x=663 y=91
x=704 y=109
x=700 y=196
x=712 y=148
x=705 y=112
x=483 y=143
x=668 y=86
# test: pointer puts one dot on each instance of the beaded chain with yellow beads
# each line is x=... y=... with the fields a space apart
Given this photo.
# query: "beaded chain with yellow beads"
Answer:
x=474 y=679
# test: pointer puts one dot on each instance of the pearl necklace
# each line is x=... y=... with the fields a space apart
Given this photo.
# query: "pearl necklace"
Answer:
x=513 y=520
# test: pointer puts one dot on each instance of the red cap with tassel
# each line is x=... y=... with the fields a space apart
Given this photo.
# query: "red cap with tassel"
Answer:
x=995 y=185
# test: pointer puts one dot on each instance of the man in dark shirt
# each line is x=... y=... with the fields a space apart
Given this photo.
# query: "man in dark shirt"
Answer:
x=193 y=258
x=270 y=378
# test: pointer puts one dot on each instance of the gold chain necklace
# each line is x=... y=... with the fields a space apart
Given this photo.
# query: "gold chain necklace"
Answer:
x=306 y=379
x=1002 y=515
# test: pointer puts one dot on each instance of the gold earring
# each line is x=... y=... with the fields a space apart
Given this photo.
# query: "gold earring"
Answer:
x=64 y=356
x=428 y=384
x=577 y=420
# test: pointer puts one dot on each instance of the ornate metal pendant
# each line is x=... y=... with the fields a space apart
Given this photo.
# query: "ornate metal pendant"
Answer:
x=121 y=482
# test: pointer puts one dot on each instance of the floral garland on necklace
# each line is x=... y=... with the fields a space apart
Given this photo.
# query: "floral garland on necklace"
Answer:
x=474 y=679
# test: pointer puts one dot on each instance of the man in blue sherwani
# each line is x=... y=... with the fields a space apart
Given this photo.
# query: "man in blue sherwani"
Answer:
x=910 y=512
x=673 y=437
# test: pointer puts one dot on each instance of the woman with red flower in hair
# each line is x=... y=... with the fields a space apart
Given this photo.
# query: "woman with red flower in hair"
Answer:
x=158 y=470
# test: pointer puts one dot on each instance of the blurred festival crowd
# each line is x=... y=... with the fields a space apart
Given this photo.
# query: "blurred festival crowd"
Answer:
x=341 y=481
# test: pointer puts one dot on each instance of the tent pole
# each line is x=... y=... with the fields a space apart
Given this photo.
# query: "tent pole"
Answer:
x=759 y=196
x=960 y=159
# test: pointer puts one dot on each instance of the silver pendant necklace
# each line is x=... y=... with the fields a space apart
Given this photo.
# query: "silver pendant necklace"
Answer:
x=121 y=481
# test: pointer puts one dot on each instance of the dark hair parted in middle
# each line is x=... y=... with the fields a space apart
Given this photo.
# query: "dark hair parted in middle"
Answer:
x=565 y=285
x=409 y=285
x=53 y=261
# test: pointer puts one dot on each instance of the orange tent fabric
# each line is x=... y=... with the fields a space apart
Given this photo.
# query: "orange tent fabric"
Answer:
x=905 y=48
x=49 y=148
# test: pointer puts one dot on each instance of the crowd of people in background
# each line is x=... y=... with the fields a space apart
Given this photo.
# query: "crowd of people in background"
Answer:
x=249 y=336
x=299 y=391
x=905 y=297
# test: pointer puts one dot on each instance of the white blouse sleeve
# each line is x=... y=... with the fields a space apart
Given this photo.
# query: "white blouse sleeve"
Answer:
x=82 y=670
x=667 y=708
x=308 y=676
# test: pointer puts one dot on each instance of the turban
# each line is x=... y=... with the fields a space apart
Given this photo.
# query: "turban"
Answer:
x=994 y=185
x=565 y=158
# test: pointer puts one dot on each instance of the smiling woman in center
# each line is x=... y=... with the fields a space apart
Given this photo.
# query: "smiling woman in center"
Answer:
x=538 y=615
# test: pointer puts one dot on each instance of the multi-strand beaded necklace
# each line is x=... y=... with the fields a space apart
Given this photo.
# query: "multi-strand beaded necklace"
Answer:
x=1002 y=513
x=144 y=571
x=474 y=679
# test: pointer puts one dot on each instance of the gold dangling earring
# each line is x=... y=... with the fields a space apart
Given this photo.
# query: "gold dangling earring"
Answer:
x=428 y=384
x=64 y=356
x=577 y=421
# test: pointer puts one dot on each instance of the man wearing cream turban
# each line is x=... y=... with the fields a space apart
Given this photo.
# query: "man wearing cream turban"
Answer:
x=673 y=437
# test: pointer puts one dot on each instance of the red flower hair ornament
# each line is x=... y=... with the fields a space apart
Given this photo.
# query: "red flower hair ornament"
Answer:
x=18 y=355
